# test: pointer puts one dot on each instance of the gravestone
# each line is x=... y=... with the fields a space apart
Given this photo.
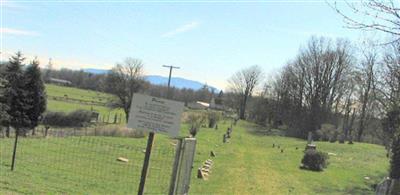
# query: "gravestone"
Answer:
x=309 y=138
x=310 y=144
x=212 y=153
x=122 y=159
x=224 y=138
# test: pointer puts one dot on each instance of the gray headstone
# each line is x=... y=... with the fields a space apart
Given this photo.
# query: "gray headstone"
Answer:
x=309 y=138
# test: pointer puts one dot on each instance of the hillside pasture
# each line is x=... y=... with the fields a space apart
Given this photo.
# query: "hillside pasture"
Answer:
x=68 y=99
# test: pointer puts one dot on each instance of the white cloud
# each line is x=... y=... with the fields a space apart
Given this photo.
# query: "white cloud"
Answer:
x=12 y=31
x=184 y=28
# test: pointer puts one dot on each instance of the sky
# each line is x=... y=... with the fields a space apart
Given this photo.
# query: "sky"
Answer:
x=209 y=40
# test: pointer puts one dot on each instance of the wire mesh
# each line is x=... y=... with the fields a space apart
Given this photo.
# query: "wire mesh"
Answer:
x=77 y=162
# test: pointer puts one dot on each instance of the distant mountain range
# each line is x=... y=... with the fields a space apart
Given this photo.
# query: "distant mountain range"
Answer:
x=161 y=80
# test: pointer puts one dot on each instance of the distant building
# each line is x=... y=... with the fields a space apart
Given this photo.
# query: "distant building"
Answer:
x=60 y=82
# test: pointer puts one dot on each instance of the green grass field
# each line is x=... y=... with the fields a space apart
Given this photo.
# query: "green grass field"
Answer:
x=85 y=95
x=246 y=165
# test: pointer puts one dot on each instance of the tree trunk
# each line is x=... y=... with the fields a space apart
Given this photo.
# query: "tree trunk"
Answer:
x=350 y=126
x=243 y=108
x=126 y=116
x=46 y=131
x=8 y=131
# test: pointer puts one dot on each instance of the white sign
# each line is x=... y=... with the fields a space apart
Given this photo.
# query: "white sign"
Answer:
x=155 y=114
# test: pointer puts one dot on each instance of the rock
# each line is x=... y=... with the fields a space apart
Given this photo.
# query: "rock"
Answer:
x=144 y=151
x=367 y=178
x=122 y=159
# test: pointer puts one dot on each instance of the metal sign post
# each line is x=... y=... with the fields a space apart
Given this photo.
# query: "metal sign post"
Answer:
x=146 y=162
x=155 y=115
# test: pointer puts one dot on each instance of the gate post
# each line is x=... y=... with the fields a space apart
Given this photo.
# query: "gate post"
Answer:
x=183 y=165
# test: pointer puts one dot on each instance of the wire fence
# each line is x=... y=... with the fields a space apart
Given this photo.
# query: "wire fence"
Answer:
x=78 y=162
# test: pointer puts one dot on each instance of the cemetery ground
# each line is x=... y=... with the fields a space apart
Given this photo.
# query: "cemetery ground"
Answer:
x=247 y=164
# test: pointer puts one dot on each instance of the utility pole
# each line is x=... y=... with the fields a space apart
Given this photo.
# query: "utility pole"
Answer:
x=169 y=78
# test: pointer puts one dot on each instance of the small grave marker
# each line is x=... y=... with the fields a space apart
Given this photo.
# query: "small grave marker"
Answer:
x=122 y=159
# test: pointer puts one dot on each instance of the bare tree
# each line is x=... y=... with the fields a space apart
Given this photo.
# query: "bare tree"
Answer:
x=243 y=83
x=123 y=80
x=376 y=15
x=390 y=88
x=366 y=79
x=310 y=89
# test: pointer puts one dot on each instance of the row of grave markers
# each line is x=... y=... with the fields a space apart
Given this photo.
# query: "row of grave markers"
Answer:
x=227 y=135
x=204 y=171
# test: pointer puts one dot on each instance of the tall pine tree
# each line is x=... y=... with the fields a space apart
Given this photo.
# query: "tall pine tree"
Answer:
x=4 y=118
x=35 y=93
x=16 y=94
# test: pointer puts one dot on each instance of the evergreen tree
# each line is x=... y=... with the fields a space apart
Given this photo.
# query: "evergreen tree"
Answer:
x=16 y=95
x=35 y=93
x=4 y=118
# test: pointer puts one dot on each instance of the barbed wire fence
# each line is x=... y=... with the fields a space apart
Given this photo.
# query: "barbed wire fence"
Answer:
x=74 y=161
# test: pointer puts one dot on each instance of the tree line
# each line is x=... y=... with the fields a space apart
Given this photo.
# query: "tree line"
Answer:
x=124 y=79
x=22 y=95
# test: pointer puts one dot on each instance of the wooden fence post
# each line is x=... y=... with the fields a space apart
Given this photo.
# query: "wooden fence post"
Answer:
x=180 y=184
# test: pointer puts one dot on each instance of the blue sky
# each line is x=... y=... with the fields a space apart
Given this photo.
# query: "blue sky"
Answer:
x=208 y=40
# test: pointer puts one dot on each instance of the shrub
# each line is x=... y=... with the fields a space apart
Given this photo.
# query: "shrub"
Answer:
x=322 y=135
x=314 y=160
x=78 y=118
x=196 y=120
x=334 y=137
x=341 y=138
x=117 y=131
